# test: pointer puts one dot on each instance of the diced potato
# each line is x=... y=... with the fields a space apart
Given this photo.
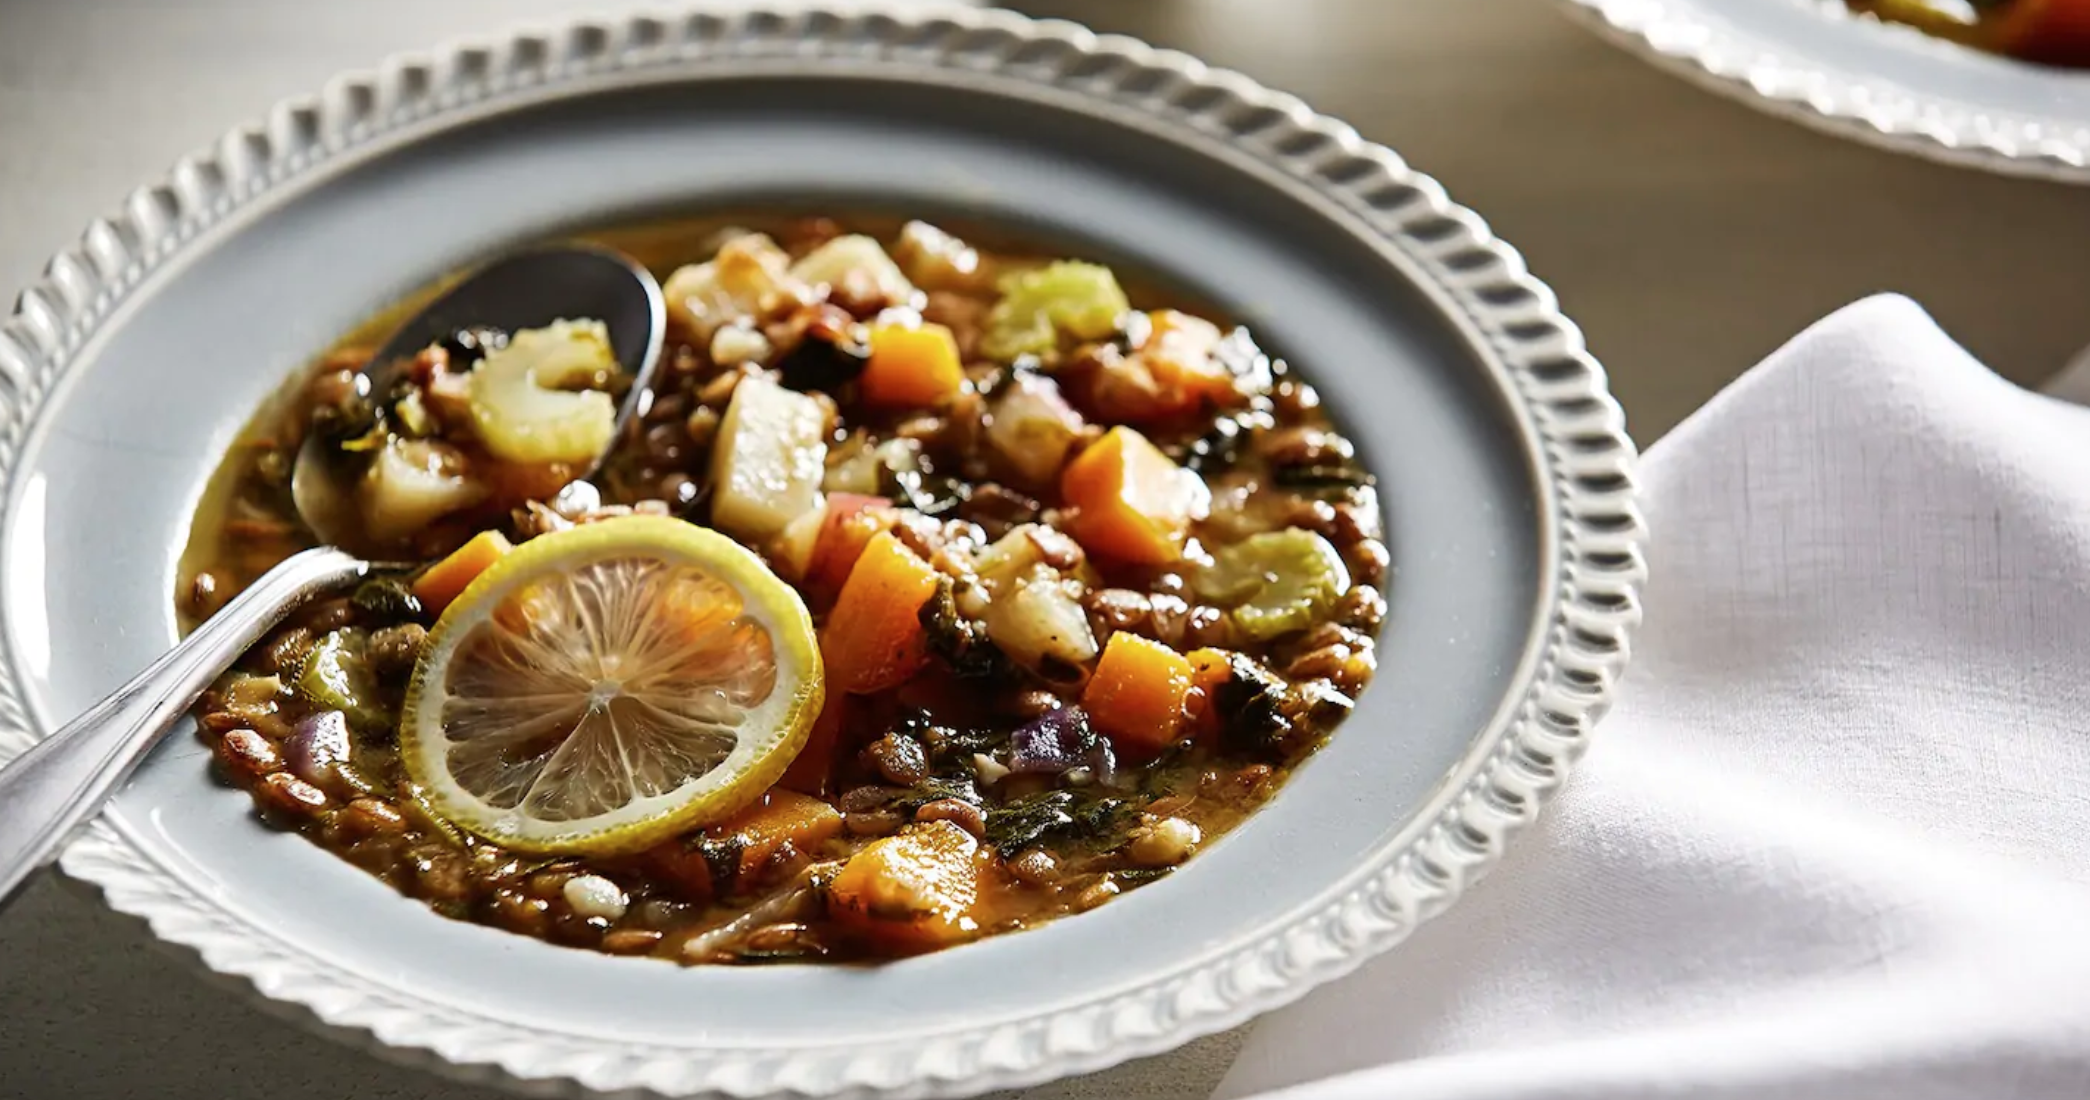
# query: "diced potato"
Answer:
x=767 y=461
x=791 y=552
x=523 y=401
x=912 y=892
x=1038 y=621
x=935 y=260
x=857 y=264
x=1031 y=428
x=749 y=280
x=410 y=484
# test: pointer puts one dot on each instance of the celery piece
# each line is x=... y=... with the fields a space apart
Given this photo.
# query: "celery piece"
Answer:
x=1276 y=582
x=540 y=399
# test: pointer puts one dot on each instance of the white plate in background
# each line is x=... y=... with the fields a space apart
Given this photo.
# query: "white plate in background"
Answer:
x=1891 y=86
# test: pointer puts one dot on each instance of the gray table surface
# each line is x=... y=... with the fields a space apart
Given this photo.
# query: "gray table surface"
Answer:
x=1689 y=236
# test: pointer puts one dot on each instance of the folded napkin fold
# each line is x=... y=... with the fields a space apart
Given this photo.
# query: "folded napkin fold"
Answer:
x=1834 y=840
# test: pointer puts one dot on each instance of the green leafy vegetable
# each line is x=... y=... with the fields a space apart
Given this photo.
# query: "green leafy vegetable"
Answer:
x=1058 y=816
x=386 y=598
x=1080 y=299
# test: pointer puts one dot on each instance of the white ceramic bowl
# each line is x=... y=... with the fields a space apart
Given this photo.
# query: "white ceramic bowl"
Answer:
x=1506 y=477
x=1815 y=62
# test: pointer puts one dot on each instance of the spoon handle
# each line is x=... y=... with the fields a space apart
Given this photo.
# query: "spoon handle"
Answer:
x=62 y=781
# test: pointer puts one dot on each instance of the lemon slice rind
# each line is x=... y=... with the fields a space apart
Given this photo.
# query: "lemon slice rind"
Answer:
x=769 y=735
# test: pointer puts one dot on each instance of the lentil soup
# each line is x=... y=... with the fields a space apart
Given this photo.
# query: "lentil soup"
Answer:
x=1140 y=574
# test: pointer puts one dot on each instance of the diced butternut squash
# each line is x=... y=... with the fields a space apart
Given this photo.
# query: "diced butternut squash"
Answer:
x=1139 y=693
x=851 y=523
x=700 y=868
x=812 y=771
x=681 y=865
x=781 y=817
x=912 y=366
x=912 y=892
x=874 y=638
x=447 y=579
x=1131 y=502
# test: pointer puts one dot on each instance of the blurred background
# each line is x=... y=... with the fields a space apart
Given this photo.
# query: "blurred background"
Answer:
x=1688 y=235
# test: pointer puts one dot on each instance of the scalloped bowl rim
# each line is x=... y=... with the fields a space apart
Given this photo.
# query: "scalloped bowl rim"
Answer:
x=1578 y=638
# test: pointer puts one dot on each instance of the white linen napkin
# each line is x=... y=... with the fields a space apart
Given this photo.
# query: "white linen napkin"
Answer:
x=1834 y=841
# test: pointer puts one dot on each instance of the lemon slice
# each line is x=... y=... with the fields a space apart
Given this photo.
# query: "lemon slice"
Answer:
x=603 y=688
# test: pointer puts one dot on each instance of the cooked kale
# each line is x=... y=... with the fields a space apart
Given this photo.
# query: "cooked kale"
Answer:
x=1063 y=817
x=386 y=598
x=1251 y=703
x=960 y=642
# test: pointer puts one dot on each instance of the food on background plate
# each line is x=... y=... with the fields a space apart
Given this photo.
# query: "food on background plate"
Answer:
x=940 y=591
x=2053 y=32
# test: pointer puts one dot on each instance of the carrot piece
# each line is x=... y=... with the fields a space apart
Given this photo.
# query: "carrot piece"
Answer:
x=911 y=366
x=911 y=892
x=447 y=579
x=852 y=522
x=874 y=638
x=812 y=771
x=1139 y=693
x=781 y=817
x=1133 y=504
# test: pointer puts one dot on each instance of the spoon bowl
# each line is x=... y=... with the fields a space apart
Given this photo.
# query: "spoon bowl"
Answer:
x=518 y=291
x=64 y=780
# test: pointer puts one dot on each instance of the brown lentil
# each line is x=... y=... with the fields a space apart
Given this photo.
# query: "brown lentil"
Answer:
x=519 y=912
x=701 y=426
x=872 y=822
x=285 y=652
x=247 y=755
x=363 y=818
x=1362 y=607
x=898 y=758
x=395 y=649
x=289 y=797
x=957 y=811
x=1368 y=561
x=631 y=941
x=1035 y=867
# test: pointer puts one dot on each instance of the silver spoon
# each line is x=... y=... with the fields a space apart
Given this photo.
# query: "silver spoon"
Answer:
x=63 y=781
